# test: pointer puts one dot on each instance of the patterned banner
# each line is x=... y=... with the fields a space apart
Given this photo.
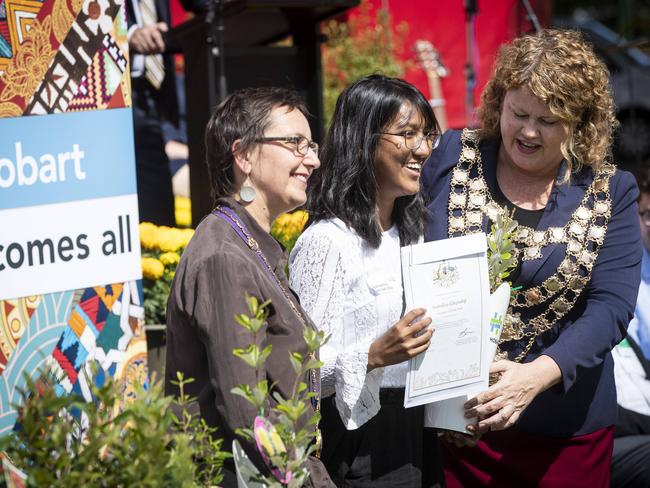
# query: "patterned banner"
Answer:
x=63 y=56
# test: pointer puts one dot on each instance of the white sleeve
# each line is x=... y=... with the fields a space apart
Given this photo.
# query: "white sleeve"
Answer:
x=321 y=276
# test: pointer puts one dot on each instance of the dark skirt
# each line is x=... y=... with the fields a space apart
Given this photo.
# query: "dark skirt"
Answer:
x=514 y=458
x=387 y=451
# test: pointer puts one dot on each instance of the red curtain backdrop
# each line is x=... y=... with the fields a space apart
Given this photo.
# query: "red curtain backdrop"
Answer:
x=442 y=22
x=179 y=15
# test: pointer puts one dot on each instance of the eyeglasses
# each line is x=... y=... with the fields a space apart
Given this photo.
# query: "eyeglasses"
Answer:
x=645 y=217
x=301 y=144
x=413 y=139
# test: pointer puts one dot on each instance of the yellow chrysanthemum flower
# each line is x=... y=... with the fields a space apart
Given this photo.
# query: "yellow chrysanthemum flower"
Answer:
x=172 y=239
x=169 y=258
x=300 y=217
x=148 y=235
x=283 y=219
x=187 y=235
x=152 y=269
x=183 y=211
x=288 y=226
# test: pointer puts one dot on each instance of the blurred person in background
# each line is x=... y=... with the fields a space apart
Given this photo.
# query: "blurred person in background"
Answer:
x=639 y=328
x=631 y=457
x=154 y=99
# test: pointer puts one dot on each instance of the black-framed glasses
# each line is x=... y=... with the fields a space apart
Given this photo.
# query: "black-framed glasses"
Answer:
x=413 y=139
x=301 y=143
x=645 y=217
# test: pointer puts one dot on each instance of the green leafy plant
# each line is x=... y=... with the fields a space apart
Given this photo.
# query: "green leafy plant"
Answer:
x=363 y=45
x=501 y=249
x=63 y=441
x=203 y=441
x=283 y=431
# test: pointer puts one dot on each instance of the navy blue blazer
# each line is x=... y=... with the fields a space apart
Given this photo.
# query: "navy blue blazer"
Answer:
x=580 y=343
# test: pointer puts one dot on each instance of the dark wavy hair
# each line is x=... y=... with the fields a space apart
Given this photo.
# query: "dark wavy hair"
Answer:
x=242 y=115
x=345 y=185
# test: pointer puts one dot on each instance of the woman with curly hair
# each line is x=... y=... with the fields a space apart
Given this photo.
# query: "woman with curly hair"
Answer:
x=543 y=153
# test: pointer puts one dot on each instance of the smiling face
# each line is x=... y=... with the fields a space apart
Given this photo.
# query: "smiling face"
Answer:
x=397 y=168
x=531 y=136
x=278 y=173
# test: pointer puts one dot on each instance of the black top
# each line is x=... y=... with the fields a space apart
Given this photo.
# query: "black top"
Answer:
x=529 y=218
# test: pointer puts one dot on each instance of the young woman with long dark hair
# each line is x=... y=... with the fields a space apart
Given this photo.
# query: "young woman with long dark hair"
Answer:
x=364 y=203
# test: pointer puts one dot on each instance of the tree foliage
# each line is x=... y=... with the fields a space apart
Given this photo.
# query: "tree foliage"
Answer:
x=361 y=46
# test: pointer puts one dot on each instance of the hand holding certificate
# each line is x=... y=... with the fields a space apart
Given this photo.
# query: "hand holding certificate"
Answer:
x=448 y=278
x=450 y=414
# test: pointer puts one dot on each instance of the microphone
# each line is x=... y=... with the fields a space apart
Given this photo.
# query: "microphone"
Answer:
x=470 y=6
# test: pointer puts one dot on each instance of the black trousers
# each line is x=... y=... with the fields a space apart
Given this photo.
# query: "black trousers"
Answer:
x=391 y=450
x=155 y=196
x=631 y=462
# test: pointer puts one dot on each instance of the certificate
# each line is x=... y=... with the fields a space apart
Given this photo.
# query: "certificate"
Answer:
x=450 y=414
x=449 y=278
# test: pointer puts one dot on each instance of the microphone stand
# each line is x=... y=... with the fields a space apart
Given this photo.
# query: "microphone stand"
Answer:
x=214 y=18
x=471 y=9
x=530 y=15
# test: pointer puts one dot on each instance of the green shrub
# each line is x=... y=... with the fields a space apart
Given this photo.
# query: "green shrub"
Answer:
x=284 y=434
x=63 y=441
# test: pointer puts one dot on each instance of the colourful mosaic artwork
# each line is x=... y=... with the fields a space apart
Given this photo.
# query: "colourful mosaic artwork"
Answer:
x=29 y=49
x=38 y=340
x=69 y=331
x=105 y=74
x=105 y=327
x=16 y=17
x=64 y=50
x=14 y=317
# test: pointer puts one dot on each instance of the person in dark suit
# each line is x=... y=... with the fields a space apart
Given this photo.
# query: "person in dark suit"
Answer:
x=154 y=99
x=543 y=152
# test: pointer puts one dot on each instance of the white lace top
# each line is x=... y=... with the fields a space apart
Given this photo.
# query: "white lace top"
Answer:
x=354 y=293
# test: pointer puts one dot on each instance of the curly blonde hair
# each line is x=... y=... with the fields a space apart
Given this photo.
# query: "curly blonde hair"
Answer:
x=561 y=69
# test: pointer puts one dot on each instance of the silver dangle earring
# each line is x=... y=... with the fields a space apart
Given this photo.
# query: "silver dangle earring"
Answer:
x=247 y=193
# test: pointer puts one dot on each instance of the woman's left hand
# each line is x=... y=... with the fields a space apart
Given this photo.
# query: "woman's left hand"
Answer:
x=500 y=406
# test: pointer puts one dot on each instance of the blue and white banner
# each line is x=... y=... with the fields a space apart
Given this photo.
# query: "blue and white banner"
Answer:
x=68 y=203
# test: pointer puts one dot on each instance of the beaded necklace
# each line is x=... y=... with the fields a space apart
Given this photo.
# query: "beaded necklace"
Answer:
x=583 y=235
x=240 y=229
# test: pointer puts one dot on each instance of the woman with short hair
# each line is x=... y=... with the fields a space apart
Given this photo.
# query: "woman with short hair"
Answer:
x=260 y=156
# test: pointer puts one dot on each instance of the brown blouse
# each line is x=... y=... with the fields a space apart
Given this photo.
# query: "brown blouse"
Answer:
x=215 y=271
